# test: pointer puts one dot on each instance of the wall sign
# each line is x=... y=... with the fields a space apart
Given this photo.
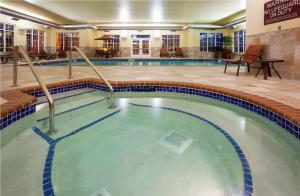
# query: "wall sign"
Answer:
x=281 y=10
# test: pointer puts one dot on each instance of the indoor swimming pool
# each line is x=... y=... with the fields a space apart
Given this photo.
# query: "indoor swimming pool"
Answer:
x=151 y=143
x=140 y=62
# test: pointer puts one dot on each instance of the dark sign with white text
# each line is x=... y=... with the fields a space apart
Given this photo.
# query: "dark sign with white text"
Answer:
x=281 y=10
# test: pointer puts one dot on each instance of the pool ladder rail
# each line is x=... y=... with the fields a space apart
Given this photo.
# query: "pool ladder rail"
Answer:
x=40 y=81
x=111 y=102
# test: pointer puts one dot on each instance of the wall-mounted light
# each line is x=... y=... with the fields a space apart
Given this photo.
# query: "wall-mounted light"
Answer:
x=124 y=33
x=156 y=33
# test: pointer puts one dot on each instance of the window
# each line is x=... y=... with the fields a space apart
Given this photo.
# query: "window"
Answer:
x=64 y=41
x=35 y=40
x=6 y=37
x=171 y=42
x=239 y=39
x=210 y=42
x=113 y=44
x=140 y=36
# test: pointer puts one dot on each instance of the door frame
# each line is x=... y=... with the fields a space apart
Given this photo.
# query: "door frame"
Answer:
x=140 y=55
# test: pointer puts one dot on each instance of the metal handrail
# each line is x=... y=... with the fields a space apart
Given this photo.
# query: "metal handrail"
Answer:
x=111 y=90
x=39 y=80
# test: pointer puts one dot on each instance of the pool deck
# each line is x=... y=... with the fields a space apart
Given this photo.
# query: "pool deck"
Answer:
x=285 y=91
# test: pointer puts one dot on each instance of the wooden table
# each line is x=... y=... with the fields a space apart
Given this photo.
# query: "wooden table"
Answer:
x=102 y=53
x=267 y=65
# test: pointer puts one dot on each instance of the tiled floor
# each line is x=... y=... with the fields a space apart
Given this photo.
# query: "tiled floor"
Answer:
x=285 y=91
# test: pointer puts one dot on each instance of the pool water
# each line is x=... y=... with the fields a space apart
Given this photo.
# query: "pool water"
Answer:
x=143 y=62
x=150 y=144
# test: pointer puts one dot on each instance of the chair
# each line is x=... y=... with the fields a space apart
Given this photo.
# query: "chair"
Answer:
x=178 y=52
x=248 y=58
x=4 y=56
x=164 y=52
x=47 y=55
x=113 y=53
x=97 y=53
x=61 y=54
x=34 y=53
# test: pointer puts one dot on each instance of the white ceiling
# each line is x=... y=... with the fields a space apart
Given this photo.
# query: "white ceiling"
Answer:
x=174 y=11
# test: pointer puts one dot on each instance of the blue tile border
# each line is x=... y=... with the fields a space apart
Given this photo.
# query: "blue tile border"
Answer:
x=13 y=117
x=130 y=60
x=248 y=185
x=62 y=89
x=287 y=125
x=47 y=178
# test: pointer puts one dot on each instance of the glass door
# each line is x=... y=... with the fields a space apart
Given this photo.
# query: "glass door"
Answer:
x=140 y=46
x=145 y=47
x=135 y=47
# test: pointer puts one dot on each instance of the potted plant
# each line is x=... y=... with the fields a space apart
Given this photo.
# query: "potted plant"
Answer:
x=218 y=52
x=227 y=50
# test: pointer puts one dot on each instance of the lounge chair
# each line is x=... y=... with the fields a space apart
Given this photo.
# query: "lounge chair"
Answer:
x=61 y=54
x=164 y=52
x=4 y=56
x=248 y=58
x=34 y=54
x=178 y=52
x=47 y=55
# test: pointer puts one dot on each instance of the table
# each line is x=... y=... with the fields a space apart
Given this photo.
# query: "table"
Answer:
x=102 y=53
x=4 y=56
x=267 y=65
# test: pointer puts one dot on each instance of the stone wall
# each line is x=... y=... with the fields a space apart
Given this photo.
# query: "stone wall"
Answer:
x=125 y=51
x=283 y=44
x=195 y=53
x=188 y=52
x=155 y=52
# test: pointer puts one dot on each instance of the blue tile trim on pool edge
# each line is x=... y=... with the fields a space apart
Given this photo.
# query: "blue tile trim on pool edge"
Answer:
x=73 y=109
x=13 y=117
x=62 y=89
x=287 y=125
x=248 y=185
x=47 y=181
x=130 y=60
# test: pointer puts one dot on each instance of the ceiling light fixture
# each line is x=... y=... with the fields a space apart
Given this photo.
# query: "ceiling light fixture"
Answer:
x=157 y=11
x=124 y=14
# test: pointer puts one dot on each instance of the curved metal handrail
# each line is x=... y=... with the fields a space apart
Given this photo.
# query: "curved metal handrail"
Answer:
x=111 y=90
x=41 y=84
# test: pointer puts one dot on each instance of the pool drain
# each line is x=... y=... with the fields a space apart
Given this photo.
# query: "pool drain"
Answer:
x=176 y=142
x=100 y=192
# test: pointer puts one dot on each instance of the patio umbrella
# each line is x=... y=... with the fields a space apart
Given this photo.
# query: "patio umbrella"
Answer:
x=105 y=37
